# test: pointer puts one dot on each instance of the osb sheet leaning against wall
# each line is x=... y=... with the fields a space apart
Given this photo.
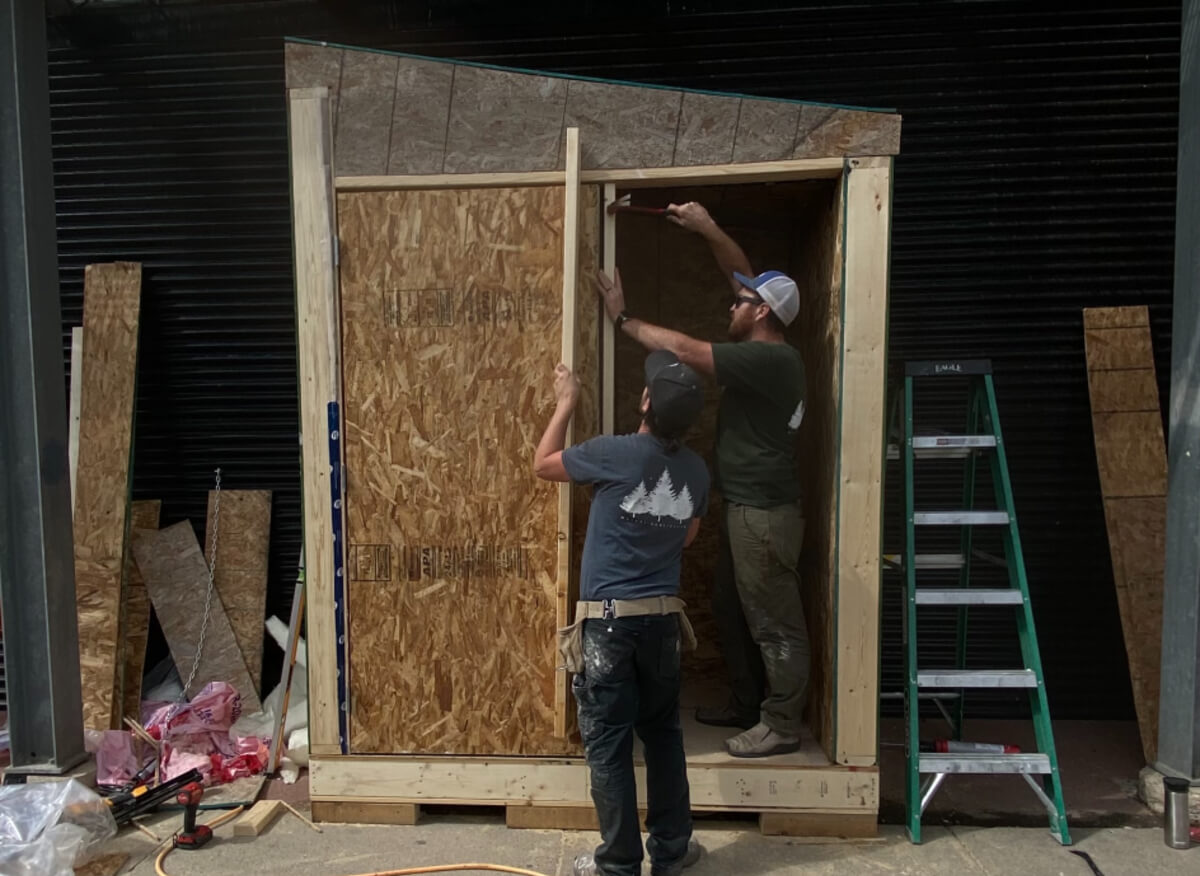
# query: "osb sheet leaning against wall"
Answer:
x=451 y=309
x=1131 y=457
x=671 y=278
x=176 y=576
x=243 y=528
x=111 y=304
x=143 y=515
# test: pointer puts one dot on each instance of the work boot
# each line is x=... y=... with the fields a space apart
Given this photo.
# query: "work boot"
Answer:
x=725 y=716
x=761 y=741
x=690 y=857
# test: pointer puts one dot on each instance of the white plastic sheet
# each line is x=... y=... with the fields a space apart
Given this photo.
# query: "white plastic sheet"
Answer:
x=48 y=828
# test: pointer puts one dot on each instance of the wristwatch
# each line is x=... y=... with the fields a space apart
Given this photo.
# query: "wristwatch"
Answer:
x=621 y=319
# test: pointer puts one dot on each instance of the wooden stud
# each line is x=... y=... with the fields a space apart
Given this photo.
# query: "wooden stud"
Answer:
x=562 y=681
x=709 y=174
x=868 y=228
x=76 y=397
x=850 y=825
x=609 y=352
x=545 y=781
x=258 y=818
x=355 y=812
x=552 y=817
x=315 y=243
x=111 y=307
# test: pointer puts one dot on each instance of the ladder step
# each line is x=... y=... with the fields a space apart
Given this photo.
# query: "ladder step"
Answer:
x=960 y=518
x=962 y=678
x=995 y=764
x=945 y=446
x=927 y=561
x=948 y=368
x=938 y=695
x=969 y=596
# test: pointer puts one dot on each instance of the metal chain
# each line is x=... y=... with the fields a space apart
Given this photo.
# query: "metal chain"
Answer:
x=212 y=566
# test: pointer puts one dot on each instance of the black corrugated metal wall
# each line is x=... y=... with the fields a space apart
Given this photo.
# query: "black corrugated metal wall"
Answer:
x=1037 y=176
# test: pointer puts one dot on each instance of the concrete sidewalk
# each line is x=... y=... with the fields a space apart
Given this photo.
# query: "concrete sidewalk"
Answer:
x=290 y=848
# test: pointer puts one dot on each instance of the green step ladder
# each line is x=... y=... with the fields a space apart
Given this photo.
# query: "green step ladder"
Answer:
x=982 y=438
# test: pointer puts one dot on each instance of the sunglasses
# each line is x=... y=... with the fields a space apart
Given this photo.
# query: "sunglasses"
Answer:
x=739 y=300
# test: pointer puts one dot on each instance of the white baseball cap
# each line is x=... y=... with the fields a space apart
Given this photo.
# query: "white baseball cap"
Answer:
x=778 y=290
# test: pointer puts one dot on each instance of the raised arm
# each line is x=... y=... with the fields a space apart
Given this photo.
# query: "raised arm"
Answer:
x=698 y=354
x=725 y=250
x=547 y=459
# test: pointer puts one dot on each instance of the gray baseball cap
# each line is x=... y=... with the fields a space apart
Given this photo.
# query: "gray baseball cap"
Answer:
x=676 y=393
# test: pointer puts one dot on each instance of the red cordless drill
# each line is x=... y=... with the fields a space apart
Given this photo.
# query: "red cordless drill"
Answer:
x=193 y=835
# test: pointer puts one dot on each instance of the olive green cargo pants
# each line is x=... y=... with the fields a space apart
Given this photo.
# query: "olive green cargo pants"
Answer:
x=760 y=619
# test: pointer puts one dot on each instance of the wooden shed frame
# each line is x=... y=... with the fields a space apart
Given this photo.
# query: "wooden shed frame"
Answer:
x=841 y=798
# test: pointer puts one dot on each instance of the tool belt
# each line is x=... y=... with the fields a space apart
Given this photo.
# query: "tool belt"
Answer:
x=570 y=639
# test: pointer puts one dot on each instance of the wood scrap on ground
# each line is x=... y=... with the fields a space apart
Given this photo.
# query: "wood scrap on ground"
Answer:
x=258 y=818
x=112 y=296
x=240 y=573
x=105 y=865
x=143 y=515
x=1131 y=457
x=177 y=579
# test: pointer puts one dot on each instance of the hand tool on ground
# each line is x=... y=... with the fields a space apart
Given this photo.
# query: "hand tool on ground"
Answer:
x=140 y=799
x=622 y=205
x=193 y=836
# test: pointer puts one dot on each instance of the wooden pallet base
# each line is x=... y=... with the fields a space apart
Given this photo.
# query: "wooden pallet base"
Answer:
x=846 y=824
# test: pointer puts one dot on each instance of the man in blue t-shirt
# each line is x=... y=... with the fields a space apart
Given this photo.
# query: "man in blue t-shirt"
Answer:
x=649 y=495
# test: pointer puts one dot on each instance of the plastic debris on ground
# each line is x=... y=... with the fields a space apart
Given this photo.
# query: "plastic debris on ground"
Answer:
x=49 y=828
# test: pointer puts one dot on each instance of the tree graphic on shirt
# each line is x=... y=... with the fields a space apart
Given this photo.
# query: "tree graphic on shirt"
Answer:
x=662 y=500
x=637 y=502
x=684 y=507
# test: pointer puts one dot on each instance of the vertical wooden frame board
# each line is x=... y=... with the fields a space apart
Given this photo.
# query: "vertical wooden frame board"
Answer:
x=817 y=332
x=76 y=400
x=111 y=305
x=142 y=515
x=243 y=535
x=1132 y=463
x=452 y=312
x=860 y=470
x=609 y=341
x=314 y=254
x=570 y=274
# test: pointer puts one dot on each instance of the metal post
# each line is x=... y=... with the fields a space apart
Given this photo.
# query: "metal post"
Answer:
x=37 y=579
x=1179 y=700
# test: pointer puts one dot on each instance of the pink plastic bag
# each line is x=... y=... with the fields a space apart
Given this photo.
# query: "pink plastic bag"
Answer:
x=195 y=735
x=116 y=761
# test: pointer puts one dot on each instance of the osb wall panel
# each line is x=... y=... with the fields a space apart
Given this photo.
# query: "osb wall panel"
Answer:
x=670 y=278
x=451 y=307
x=1132 y=462
x=243 y=524
x=400 y=115
x=111 y=303
x=176 y=576
x=142 y=515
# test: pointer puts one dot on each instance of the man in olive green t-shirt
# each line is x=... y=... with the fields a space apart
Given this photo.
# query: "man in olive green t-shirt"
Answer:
x=756 y=594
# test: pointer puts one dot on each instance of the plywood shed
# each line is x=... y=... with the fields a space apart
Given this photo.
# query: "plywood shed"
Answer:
x=445 y=218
